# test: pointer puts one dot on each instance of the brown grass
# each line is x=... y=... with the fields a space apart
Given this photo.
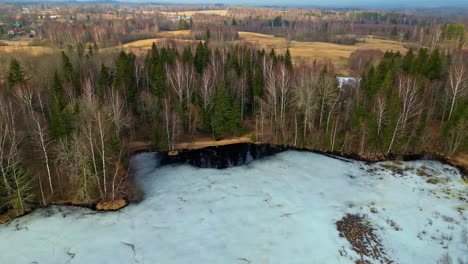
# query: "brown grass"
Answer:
x=301 y=51
x=307 y=52
x=460 y=159
x=194 y=144
x=111 y=205
x=23 y=46
x=192 y=13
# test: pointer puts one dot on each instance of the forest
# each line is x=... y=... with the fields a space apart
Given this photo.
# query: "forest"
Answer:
x=68 y=135
x=67 y=119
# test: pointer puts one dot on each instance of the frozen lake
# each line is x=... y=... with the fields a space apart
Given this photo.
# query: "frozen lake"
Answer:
x=280 y=209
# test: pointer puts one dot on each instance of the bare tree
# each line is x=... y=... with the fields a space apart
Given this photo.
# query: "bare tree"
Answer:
x=458 y=81
x=380 y=110
x=409 y=91
x=207 y=89
x=15 y=179
x=25 y=97
x=284 y=90
x=305 y=96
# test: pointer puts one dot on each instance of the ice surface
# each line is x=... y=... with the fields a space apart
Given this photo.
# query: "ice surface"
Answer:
x=280 y=209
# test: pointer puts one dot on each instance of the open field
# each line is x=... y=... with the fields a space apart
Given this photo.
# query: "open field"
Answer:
x=301 y=51
x=22 y=46
x=322 y=51
x=192 y=13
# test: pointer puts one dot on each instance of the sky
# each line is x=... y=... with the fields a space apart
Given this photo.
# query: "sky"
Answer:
x=331 y=3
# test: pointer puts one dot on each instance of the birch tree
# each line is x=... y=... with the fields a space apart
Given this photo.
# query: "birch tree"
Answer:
x=458 y=82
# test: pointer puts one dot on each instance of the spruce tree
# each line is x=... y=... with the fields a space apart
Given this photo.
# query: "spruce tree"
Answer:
x=104 y=80
x=434 y=66
x=187 y=56
x=158 y=80
x=15 y=74
x=408 y=61
x=58 y=118
x=201 y=57
x=125 y=79
x=288 y=60
x=69 y=73
x=258 y=81
x=226 y=118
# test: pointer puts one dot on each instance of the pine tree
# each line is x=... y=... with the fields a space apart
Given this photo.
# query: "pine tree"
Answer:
x=15 y=74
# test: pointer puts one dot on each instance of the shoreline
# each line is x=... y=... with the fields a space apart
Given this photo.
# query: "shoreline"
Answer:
x=459 y=160
x=174 y=157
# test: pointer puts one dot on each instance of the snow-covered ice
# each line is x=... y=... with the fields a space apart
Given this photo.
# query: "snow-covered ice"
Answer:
x=281 y=209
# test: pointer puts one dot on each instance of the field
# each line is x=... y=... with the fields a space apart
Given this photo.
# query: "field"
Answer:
x=321 y=51
x=22 y=46
x=301 y=51
x=192 y=13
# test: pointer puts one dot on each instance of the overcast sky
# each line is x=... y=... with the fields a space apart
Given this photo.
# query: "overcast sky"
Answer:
x=334 y=3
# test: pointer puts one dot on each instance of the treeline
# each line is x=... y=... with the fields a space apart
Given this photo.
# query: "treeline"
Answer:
x=68 y=138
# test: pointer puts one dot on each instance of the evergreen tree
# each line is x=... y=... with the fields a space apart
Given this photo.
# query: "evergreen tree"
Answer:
x=125 y=79
x=183 y=25
x=258 y=81
x=408 y=61
x=58 y=119
x=187 y=56
x=69 y=73
x=15 y=74
x=201 y=57
x=288 y=60
x=434 y=66
x=273 y=56
x=158 y=80
x=226 y=114
x=104 y=81
x=419 y=64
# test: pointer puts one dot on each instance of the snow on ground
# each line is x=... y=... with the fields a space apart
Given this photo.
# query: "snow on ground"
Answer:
x=281 y=209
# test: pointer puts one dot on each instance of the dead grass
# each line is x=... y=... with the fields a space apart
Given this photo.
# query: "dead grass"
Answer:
x=192 y=144
x=460 y=159
x=145 y=44
x=301 y=51
x=307 y=52
x=22 y=46
x=192 y=13
x=111 y=205
x=198 y=144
